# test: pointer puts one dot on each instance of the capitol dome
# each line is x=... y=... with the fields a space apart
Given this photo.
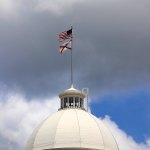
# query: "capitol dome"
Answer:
x=72 y=128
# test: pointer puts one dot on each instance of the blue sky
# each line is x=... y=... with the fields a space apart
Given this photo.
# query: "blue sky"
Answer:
x=129 y=110
x=110 y=56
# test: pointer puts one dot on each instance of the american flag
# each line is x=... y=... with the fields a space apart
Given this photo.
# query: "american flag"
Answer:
x=65 y=35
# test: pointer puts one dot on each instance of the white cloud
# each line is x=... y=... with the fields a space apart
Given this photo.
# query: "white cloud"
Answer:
x=58 y=6
x=8 y=7
x=125 y=142
x=18 y=117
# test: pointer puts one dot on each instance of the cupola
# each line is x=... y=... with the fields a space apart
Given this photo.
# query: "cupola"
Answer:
x=72 y=98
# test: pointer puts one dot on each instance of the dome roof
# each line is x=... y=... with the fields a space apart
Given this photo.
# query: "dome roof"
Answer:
x=72 y=129
x=71 y=91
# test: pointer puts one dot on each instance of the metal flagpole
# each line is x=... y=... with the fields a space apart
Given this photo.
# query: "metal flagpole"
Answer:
x=72 y=58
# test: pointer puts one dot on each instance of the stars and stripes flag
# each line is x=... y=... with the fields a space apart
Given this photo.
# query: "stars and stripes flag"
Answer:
x=65 y=35
x=65 y=39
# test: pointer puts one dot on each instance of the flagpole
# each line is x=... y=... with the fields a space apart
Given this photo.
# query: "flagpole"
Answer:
x=72 y=59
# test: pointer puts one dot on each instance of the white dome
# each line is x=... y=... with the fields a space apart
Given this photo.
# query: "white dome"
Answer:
x=72 y=129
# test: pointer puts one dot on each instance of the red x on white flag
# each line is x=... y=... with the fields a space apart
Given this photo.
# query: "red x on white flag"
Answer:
x=65 y=46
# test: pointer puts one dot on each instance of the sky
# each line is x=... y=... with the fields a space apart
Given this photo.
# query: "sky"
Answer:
x=111 y=49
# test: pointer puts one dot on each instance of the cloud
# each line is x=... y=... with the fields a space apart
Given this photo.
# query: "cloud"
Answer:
x=125 y=141
x=6 y=5
x=111 y=46
x=19 y=117
x=58 y=7
x=8 y=8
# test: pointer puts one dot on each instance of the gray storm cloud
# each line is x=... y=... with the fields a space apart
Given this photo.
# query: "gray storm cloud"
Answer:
x=111 y=45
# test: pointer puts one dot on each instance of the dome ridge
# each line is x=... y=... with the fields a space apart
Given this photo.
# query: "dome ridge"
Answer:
x=102 y=133
x=55 y=118
x=56 y=128
x=110 y=132
x=79 y=127
x=98 y=127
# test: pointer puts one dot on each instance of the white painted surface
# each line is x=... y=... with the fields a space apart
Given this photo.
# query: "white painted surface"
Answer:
x=72 y=128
